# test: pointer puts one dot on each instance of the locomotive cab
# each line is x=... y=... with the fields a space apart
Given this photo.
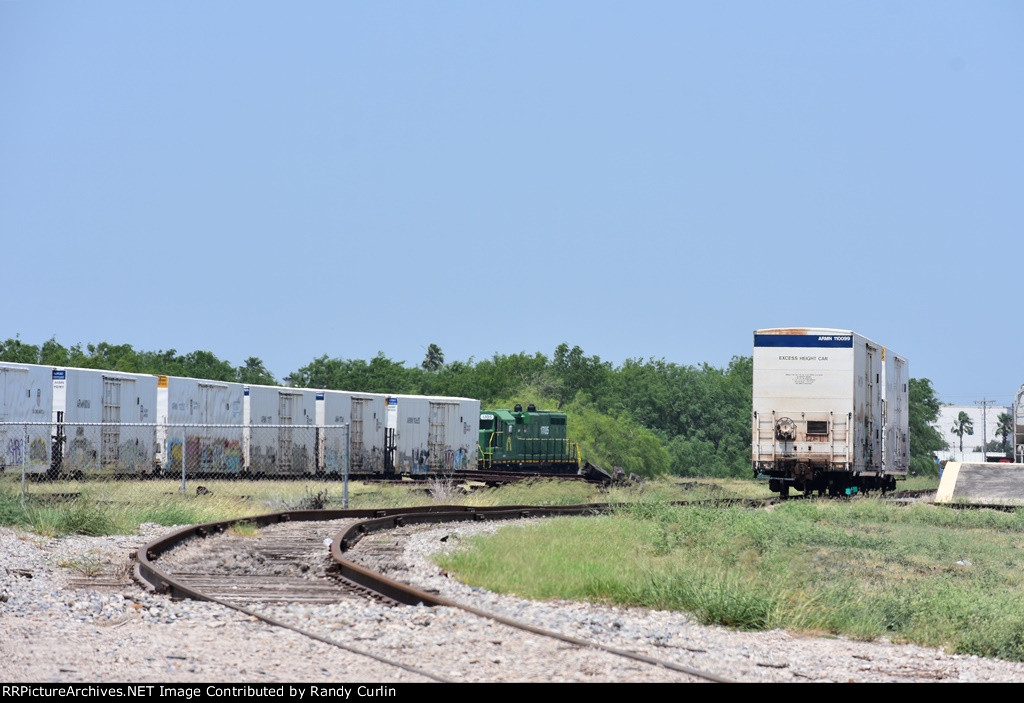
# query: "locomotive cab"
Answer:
x=530 y=440
x=488 y=423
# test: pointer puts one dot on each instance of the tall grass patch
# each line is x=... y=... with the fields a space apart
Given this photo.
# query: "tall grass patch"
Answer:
x=860 y=568
x=538 y=492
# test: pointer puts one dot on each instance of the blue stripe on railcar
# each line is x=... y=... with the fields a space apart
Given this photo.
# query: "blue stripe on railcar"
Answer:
x=803 y=340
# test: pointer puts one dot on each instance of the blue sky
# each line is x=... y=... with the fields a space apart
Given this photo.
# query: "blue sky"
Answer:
x=287 y=180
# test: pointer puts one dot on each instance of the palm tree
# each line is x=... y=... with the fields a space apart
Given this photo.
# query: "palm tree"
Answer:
x=434 y=359
x=961 y=426
x=1005 y=429
x=255 y=372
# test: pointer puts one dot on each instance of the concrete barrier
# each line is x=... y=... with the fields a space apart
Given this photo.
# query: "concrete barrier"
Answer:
x=993 y=484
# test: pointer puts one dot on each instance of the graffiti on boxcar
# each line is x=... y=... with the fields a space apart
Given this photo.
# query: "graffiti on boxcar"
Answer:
x=263 y=459
x=131 y=455
x=376 y=462
x=332 y=461
x=419 y=461
x=81 y=454
x=299 y=459
x=14 y=451
x=213 y=454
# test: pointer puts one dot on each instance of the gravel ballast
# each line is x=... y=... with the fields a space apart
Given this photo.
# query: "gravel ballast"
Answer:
x=57 y=628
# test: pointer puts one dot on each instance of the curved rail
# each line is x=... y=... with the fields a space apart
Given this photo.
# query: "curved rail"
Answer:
x=376 y=520
x=414 y=596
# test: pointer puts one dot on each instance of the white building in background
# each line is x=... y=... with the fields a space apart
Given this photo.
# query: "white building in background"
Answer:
x=972 y=443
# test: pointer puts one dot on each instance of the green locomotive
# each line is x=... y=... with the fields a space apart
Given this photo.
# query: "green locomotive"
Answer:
x=526 y=440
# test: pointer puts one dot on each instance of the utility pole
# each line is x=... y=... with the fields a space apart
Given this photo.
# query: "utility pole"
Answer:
x=1018 y=421
x=984 y=402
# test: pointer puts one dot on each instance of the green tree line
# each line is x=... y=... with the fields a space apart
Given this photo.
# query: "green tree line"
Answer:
x=648 y=416
x=124 y=357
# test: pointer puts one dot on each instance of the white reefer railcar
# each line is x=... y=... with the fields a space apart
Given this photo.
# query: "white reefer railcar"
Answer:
x=199 y=422
x=433 y=434
x=105 y=421
x=279 y=435
x=830 y=411
x=26 y=401
x=364 y=414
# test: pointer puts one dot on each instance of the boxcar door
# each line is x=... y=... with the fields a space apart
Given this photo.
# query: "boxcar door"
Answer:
x=872 y=429
x=286 y=411
x=8 y=395
x=899 y=419
x=356 y=450
x=439 y=454
x=207 y=412
x=111 y=417
x=10 y=390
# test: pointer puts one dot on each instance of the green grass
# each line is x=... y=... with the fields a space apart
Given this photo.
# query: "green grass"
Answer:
x=537 y=492
x=87 y=565
x=918 y=483
x=861 y=568
x=554 y=492
x=118 y=507
x=94 y=512
x=244 y=529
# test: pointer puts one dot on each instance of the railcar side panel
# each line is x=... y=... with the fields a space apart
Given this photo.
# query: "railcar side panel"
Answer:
x=434 y=434
x=120 y=401
x=366 y=432
x=200 y=421
x=363 y=413
x=26 y=396
x=279 y=435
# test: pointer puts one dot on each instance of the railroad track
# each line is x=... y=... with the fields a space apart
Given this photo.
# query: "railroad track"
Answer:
x=904 y=496
x=284 y=563
x=288 y=562
x=491 y=478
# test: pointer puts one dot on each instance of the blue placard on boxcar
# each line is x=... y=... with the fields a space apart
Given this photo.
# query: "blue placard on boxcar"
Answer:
x=393 y=401
x=59 y=374
x=803 y=340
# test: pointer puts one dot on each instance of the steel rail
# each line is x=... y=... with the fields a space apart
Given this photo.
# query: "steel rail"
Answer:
x=373 y=520
x=148 y=573
x=319 y=638
x=410 y=595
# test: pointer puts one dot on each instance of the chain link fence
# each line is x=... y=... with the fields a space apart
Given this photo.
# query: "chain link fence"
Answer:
x=275 y=465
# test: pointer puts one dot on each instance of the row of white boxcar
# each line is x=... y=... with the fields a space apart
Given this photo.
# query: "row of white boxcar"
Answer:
x=70 y=421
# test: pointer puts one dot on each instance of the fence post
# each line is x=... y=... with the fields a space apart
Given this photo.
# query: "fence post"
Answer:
x=348 y=456
x=24 y=452
x=184 y=458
